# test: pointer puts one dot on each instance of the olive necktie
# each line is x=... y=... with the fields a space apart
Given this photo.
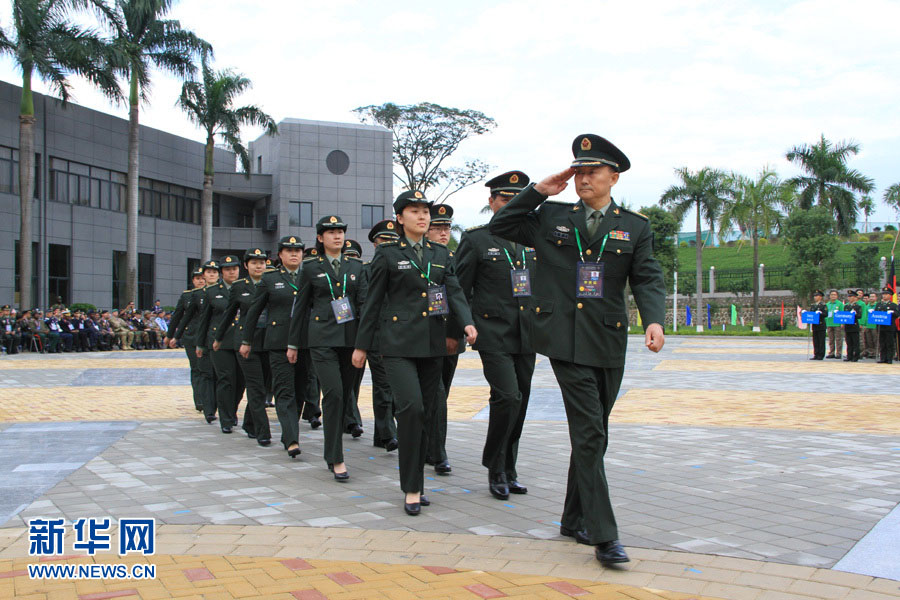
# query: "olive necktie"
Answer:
x=418 y=250
x=337 y=267
x=594 y=222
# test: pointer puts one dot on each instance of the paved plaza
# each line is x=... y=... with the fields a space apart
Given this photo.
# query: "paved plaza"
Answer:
x=738 y=470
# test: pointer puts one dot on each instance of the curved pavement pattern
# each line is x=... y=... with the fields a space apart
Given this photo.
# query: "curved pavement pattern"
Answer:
x=738 y=470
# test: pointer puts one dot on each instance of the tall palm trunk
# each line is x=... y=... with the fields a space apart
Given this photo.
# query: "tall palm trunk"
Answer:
x=131 y=253
x=26 y=189
x=699 y=270
x=206 y=202
x=755 y=276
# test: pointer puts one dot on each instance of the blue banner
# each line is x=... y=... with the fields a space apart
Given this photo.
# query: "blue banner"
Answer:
x=844 y=317
x=708 y=316
x=879 y=317
x=688 y=314
x=810 y=317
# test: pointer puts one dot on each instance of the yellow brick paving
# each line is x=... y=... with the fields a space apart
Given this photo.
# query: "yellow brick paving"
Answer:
x=763 y=366
x=740 y=350
x=178 y=361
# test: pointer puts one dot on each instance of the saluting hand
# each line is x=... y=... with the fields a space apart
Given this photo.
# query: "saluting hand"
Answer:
x=471 y=333
x=654 y=338
x=291 y=355
x=555 y=184
x=359 y=358
x=244 y=351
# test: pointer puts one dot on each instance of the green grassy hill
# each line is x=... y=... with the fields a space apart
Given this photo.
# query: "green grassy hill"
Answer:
x=773 y=255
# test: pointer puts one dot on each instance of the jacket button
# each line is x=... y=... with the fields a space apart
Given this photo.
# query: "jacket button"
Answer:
x=273 y=322
x=559 y=242
x=422 y=275
x=495 y=258
x=317 y=318
x=580 y=305
x=618 y=323
x=485 y=315
x=424 y=294
x=295 y=293
x=588 y=251
x=425 y=314
x=521 y=307
x=395 y=317
x=618 y=251
x=518 y=263
x=337 y=283
x=537 y=309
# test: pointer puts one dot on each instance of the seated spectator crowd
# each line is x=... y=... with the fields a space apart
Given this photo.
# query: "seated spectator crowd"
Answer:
x=63 y=330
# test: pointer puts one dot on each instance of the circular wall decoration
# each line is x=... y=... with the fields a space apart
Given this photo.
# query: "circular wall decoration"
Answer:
x=337 y=162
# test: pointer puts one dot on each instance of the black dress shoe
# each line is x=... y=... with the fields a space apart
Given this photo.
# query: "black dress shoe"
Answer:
x=391 y=445
x=442 y=468
x=315 y=423
x=226 y=429
x=424 y=501
x=580 y=535
x=497 y=485
x=252 y=436
x=294 y=452
x=516 y=488
x=611 y=553
x=342 y=477
x=356 y=430
x=412 y=509
x=264 y=441
x=831 y=356
x=211 y=419
x=816 y=358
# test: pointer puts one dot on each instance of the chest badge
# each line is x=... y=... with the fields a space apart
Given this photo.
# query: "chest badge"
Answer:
x=623 y=236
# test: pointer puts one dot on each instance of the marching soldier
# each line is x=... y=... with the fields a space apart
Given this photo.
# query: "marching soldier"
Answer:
x=586 y=253
x=229 y=379
x=353 y=249
x=276 y=294
x=818 y=330
x=886 y=335
x=256 y=421
x=851 y=330
x=496 y=277
x=413 y=285
x=189 y=347
x=328 y=305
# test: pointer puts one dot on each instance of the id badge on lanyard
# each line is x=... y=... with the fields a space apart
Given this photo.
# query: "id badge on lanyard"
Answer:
x=519 y=278
x=343 y=311
x=589 y=283
x=437 y=300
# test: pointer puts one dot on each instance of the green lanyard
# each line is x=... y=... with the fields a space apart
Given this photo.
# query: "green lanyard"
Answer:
x=602 y=245
x=331 y=289
x=509 y=258
x=427 y=274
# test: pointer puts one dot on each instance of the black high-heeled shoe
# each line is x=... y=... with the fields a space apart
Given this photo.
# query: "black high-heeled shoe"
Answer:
x=294 y=452
x=412 y=509
x=424 y=501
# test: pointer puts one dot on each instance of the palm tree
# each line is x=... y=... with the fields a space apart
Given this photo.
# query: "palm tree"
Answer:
x=867 y=206
x=209 y=104
x=143 y=38
x=703 y=192
x=46 y=42
x=892 y=197
x=753 y=205
x=828 y=181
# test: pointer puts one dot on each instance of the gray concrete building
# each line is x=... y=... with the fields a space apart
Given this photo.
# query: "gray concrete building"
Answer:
x=310 y=169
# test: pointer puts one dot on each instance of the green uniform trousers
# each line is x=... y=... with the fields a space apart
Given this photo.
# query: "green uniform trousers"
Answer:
x=509 y=376
x=196 y=386
x=307 y=386
x=336 y=376
x=414 y=383
x=284 y=376
x=256 y=421
x=208 y=385
x=886 y=339
x=382 y=400
x=436 y=418
x=588 y=394
x=229 y=385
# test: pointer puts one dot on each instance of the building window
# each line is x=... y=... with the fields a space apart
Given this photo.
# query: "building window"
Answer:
x=371 y=214
x=259 y=164
x=28 y=303
x=300 y=214
x=9 y=171
x=145 y=280
x=58 y=273
x=337 y=162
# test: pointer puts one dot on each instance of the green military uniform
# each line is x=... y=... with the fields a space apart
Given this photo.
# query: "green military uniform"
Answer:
x=9 y=329
x=256 y=421
x=818 y=331
x=851 y=331
x=487 y=266
x=412 y=343
x=323 y=286
x=188 y=326
x=189 y=345
x=275 y=294
x=887 y=333
x=586 y=337
x=229 y=377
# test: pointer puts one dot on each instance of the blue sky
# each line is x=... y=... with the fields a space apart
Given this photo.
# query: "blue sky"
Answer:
x=731 y=85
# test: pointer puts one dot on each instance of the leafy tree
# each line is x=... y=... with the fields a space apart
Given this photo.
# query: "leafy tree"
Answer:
x=209 y=104
x=45 y=41
x=424 y=136
x=665 y=232
x=753 y=205
x=892 y=197
x=142 y=38
x=866 y=263
x=702 y=191
x=813 y=247
x=867 y=206
x=828 y=181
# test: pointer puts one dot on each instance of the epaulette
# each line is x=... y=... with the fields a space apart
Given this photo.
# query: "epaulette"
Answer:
x=558 y=202
x=309 y=258
x=270 y=270
x=187 y=291
x=440 y=245
x=635 y=213
x=354 y=258
x=391 y=243
x=477 y=227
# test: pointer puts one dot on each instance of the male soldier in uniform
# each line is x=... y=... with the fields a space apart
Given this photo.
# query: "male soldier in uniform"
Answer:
x=586 y=253
x=436 y=420
x=835 y=331
x=10 y=331
x=190 y=347
x=818 y=330
x=886 y=335
x=851 y=330
x=496 y=277
x=122 y=331
x=352 y=248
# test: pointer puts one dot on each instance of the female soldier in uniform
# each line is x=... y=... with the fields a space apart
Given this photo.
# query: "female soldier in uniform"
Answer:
x=329 y=304
x=413 y=284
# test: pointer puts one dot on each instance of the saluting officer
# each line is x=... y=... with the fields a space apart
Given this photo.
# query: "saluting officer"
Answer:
x=818 y=330
x=586 y=253
x=886 y=333
x=385 y=435
x=256 y=421
x=189 y=347
x=436 y=421
x=496 y=276
x=329 y=304
x=413 y=284
x=191 y=322
x=276 y=294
